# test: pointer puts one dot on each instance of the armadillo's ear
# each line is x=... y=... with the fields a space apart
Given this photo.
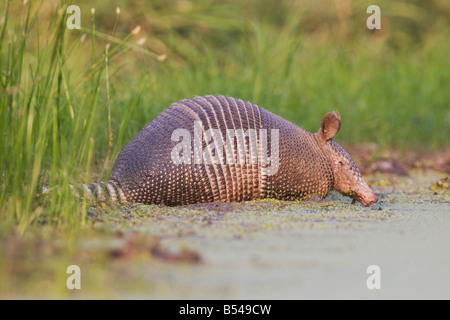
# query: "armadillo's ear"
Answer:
x=330 y=125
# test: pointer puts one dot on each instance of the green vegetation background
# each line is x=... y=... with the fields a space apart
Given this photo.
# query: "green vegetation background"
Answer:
x=71 y=99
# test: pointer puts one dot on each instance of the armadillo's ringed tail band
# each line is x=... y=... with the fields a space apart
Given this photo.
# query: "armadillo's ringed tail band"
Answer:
x=111 y=191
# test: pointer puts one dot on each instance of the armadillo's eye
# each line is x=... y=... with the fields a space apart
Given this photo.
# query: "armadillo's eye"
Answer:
x=340 y=162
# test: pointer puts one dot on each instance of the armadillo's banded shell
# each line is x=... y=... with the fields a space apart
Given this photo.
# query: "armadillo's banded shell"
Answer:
x=146 y=172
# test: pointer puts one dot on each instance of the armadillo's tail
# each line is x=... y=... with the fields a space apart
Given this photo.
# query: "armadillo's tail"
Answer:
x=110 y=191
x=105 y=191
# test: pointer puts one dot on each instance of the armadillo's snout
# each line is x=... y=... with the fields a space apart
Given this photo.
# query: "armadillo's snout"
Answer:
x=365 y=195
x=367 y=201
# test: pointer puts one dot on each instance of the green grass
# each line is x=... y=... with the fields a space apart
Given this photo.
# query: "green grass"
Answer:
x=62 y=92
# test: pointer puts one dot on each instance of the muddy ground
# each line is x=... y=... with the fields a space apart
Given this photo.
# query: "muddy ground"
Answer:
x=254 y=250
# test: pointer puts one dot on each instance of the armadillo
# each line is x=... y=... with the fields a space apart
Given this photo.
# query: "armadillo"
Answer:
x=217 y=148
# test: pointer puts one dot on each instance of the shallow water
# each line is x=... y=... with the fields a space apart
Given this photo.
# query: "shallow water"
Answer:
x=256 y=250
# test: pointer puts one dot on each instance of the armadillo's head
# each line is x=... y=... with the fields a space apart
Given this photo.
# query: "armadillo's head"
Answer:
x=347 y=178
